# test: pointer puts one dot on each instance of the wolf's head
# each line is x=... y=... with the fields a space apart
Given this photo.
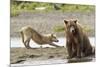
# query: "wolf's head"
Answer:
x=53 y=38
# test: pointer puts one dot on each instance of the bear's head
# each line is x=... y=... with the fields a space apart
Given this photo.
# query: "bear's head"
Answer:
x=71 y=26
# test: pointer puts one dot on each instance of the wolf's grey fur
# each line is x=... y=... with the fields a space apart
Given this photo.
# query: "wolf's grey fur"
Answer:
x=27 y=33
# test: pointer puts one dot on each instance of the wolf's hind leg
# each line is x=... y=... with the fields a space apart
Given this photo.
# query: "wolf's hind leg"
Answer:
x=28 y=46
x=26 y=43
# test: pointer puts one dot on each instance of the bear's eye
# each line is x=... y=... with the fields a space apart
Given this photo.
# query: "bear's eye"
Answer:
x=68 y=26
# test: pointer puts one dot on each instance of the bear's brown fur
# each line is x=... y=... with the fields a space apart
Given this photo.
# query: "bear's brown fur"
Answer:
x=77 y=42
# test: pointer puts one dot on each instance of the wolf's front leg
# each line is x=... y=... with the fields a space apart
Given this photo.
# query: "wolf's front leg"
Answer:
x=52 y=44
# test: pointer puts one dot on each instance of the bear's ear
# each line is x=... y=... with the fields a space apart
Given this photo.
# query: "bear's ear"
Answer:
x=75 y=21
x=66 y=22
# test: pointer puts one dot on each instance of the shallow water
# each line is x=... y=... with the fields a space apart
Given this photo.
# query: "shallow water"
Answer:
x=16 y=42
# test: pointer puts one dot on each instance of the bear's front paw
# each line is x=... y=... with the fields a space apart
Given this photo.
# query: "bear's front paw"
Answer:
x=69 y=57
x=78 y=56
x=28 y=47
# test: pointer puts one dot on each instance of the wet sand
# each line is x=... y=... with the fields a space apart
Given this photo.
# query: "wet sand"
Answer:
x=19 y=55
x=38 y=56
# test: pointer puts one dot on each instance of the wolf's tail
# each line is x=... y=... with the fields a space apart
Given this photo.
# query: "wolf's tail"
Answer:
x=18 y=30
x=22 y=35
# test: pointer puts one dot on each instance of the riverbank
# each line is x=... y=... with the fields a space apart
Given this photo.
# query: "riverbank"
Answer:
x=38 y=56
x=45 y=23
x=19 y=55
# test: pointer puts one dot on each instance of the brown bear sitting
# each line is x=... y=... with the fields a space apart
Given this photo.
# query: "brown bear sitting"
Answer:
x=77 y=42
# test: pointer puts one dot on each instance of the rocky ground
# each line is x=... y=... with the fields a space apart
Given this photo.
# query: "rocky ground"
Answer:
x=23 y=55
x=45 y=22
x=18 y=55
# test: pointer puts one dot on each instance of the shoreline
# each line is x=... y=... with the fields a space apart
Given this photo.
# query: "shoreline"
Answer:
x=38 y=56
x=17 y=42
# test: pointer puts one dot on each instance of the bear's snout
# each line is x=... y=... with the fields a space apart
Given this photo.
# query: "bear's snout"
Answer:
x=72 y=30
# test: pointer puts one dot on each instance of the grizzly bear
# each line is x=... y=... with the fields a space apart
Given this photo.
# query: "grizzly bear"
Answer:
x=77 y=42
